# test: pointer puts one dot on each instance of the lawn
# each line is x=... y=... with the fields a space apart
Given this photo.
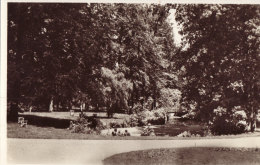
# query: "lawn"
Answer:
x=44 y=125
x=66 y=115
x=40 y=132
x=191 y=156
x=62 y=119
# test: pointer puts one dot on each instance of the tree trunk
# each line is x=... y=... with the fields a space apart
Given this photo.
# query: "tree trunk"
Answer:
x=252 y=121
x=154 y=103
x=57 y=105
x=51 y=105
x=30 y=107
x=84 y=106
x=81 y=106
x=97 y=107
x=165 y=118
x=70 y=105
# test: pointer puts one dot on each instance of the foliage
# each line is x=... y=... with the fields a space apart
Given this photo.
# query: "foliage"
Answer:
x=170 y=99
x=225 y=122
x=219 y=58
x=138 y=119
x=190 y=115
x=115 y=124
x=100 y=55
x=147 y=131
x=145 y=117
x=158 y=117
x=88 y=125
x=185 y=134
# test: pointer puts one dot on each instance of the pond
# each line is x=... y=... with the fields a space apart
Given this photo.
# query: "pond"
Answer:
x=177 y=126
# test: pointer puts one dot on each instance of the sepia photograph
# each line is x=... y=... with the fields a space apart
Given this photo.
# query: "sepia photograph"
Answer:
x=136 y=83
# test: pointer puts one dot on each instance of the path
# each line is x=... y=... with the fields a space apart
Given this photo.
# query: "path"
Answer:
x=27 y=151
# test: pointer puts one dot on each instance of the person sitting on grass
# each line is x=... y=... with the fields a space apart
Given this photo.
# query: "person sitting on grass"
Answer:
x=120 y=134
x=126 y=133
x=114 y=133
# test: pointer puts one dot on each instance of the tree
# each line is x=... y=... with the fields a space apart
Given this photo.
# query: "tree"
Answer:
x=109 y=55
x=220 y=57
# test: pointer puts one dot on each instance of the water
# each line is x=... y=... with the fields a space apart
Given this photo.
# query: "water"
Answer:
x=177 y=126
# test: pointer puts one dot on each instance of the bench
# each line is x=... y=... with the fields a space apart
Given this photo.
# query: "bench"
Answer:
x=22 y=122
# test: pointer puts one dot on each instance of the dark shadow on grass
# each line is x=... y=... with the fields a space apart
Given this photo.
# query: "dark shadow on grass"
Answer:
x=46 y=121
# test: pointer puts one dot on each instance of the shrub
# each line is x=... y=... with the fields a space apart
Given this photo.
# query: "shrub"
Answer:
x=155 y=117
x=95 y=123
x=138 y=119
x=207 y=132
x=115 y=124
x=190 y=115
x=79 y=129
x=87 y=124
x=125 y=124
x=225 y=122
x=147 y=131
x=137 y=108
x=185 y=134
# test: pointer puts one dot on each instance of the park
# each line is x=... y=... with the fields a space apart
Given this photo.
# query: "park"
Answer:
x=159 y=72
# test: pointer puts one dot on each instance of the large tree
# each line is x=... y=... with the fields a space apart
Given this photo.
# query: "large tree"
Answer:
x=220 y=57
x=110 y=55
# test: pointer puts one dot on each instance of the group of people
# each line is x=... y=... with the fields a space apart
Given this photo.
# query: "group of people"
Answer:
x=118 y=133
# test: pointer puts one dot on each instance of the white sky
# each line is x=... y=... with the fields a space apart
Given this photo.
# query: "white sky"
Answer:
x=176 y=28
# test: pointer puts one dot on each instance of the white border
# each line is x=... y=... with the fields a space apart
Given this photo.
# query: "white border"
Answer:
x=3 y=83
x=146 y=1
x=3 y=57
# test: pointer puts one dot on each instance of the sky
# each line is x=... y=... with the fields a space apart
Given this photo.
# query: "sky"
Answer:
x=175 y=27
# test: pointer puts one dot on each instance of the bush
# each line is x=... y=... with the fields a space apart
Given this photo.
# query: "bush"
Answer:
x=225 y=122
x=87 y=124
x=125 y=124
x=79 y=128
x=155 y=117
x=147 y=131
x=137 y=108
x=185 y=134
x=115 y=124
x=138 y=120
x=190 y=115
x=95 y=123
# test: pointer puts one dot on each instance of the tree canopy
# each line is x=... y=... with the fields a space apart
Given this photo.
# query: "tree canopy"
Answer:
x=120 y=55
x=221 y=57
x=101 y=54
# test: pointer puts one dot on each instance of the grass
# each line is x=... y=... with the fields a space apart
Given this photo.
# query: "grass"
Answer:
x=62 y=119
x=45 y=125
x=191 y=156
x=39 y=132
x=66 y=115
